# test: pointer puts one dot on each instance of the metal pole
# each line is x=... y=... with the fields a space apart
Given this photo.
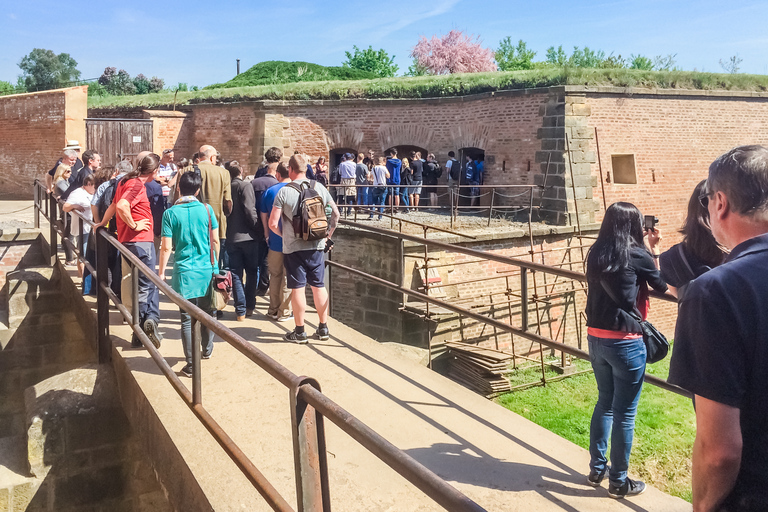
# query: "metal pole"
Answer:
x=102 y=300
x=511 y=336
x=600 y=166
x=197 y=391
x=426 y=291
x=490 y=210
x=135 y=295
x=37 y=205
x=524 y=296
x=52 y=219
x=309 y=453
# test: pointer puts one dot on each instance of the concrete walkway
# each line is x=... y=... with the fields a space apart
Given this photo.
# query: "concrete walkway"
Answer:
x=497 y=458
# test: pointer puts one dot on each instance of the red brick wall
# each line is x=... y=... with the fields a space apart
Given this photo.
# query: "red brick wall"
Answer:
x=229 y=128
x=674 y=139
x=33 y=130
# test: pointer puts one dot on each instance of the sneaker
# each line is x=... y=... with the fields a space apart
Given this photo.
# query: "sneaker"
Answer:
x=370 y=217
x=219 y=314
x=285 y=317
x=322 y=334
x=135 y=342
x=150 y=327
x=187 y=370
x=248 y=312
x=241 y=318
x=595 y=479
x=273 y=316
x=296 y=338
x=206 y=356
x=628 y=488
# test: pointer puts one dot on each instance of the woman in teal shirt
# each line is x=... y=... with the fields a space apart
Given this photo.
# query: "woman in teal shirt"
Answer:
x=190 y=228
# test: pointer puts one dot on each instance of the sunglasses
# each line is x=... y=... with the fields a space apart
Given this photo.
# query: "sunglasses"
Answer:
x=704 y=198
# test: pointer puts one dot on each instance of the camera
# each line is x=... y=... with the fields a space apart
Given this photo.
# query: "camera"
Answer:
x=649 y=222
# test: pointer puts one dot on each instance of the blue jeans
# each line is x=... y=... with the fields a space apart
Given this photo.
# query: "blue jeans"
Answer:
x=149 y=295
x=244 y=256
x=379 y=196
x=206 y=335
x=363 y=196
x=619 y=366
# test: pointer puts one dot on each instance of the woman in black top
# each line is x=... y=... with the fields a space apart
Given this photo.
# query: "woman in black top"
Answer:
x=619 y=269
x=697 y=253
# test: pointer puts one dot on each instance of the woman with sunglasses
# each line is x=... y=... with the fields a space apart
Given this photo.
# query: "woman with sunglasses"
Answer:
x=698 y=252
x=619 y=270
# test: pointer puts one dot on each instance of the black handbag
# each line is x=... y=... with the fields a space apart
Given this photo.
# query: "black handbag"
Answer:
x=656 y=344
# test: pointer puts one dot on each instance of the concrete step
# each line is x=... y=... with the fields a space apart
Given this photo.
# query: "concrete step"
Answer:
x=17 y=489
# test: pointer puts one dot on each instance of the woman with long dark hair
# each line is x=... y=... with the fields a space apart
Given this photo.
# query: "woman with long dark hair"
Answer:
x=699 y=252
x=619 y=270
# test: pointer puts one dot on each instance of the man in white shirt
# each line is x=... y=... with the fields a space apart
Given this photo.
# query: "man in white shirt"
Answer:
x=347 y=172
x=80 y=200
x=166 y=174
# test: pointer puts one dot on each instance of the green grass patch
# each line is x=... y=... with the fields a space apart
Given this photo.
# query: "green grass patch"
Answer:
x=665 y=426
x=280 y=72
x=447 y=85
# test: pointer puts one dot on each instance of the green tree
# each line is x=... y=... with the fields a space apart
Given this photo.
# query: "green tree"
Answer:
x=731 y=65
x=43 y=70
x=141 y=83
x=377 y=62
x=6 y=88
x=640 y=62
x=557 y=56
x=415 y=70
x=586 y=58
x=510 y=57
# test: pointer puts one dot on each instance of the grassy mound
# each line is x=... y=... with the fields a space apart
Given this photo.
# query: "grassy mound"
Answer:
x=280 y=72
x=446 y=85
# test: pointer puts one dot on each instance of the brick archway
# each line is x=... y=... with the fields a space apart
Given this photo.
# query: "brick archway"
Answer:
x=344 y=137
x=393 y=135
x=471 y=135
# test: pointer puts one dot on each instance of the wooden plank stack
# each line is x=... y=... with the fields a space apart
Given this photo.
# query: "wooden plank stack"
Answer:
x=480 y=369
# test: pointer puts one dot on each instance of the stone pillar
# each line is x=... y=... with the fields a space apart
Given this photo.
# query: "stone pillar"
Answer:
x=566 y=114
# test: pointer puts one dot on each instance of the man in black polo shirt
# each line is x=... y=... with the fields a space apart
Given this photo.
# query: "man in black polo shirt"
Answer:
x=721 y=341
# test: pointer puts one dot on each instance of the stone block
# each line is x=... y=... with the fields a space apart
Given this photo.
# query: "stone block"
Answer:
x=575 y=121
x=550 y=133
x=23 y=494
x=576 y=132
x=574 y=98
x=555 y=109
x=5 y=500
x=378 y=319
x=581 y=109
x=89 y=487
x=553 y=144
x=550 y=121
x=549 y=156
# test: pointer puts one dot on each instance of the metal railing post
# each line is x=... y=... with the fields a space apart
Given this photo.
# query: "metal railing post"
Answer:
x=135 y=295
x=197 y=387
x=524 y=296
x=310 y=462
x=54 y=241
x=37 y=205
x=102 y=300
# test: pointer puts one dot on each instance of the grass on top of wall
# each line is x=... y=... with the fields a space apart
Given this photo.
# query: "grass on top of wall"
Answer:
x=665 y=426
x=447 y=85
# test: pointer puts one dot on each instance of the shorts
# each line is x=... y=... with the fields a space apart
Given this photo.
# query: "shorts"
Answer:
x=393 y=191
x=416 y=188
x=349 y=188
x=305 y=267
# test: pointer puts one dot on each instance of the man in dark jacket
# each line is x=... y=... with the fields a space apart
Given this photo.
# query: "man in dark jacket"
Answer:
x=243 y=242
x=432 y=172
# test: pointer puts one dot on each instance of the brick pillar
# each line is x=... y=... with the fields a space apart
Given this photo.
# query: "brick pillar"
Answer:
x=565 y=114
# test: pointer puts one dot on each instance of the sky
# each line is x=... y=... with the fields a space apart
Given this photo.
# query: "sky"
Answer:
x=198 y=42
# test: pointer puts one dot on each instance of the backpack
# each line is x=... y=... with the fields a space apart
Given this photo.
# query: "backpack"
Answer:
x=309 y=220
x=106 y=199
x=455 y=169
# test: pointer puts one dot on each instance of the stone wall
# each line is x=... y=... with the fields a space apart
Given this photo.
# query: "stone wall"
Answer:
x=34 y=128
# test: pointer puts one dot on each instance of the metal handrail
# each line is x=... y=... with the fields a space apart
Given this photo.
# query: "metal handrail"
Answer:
x=308 y=404
x=496 y=324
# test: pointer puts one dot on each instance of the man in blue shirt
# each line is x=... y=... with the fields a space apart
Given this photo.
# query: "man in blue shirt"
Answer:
x=721 y=341
x=279 y=294
x=393 y=166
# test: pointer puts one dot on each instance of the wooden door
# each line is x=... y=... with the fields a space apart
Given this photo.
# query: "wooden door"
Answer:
x=118 y=139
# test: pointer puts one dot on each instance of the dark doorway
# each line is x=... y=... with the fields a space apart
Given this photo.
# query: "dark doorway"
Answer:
x=405 y=151
x=118 y=139
x=335 y=157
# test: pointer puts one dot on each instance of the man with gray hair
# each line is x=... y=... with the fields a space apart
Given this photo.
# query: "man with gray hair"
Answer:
x=721 y=341
x=69 y=157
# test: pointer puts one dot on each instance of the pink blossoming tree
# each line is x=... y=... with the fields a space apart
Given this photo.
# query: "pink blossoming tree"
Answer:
x=455 y=52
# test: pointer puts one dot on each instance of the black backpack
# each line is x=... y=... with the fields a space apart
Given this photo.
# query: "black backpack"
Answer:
x=106 y=199
x=455 y=169
x=309 y=220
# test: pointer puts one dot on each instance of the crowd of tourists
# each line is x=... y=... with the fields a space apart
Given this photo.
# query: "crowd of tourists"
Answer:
x=211 y=218
x=271 y=231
